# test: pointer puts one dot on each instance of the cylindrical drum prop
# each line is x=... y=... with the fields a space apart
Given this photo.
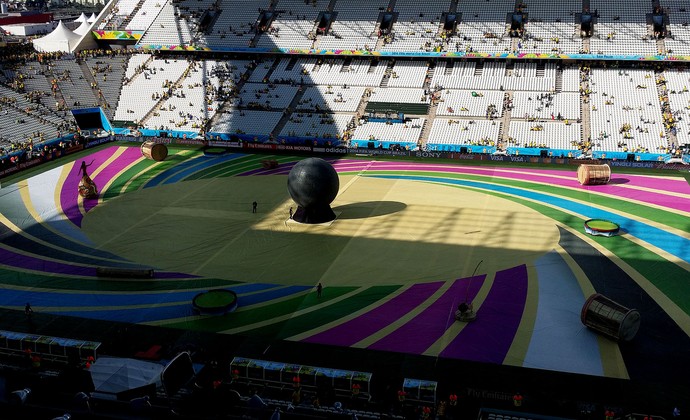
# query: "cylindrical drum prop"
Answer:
x=594 y=174
x=154 y=151
x=610 y=318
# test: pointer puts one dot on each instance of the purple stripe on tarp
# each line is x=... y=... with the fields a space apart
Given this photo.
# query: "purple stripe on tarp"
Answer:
x=12 y=259
x=281 y=169
x=172 y=275
x=489 y=337
x=16 y=260
x=418 y=334
x=130 y=155
x=69 y=190
x=285 y=167
x=263 y=171
x=357 y=329
x=621 y=192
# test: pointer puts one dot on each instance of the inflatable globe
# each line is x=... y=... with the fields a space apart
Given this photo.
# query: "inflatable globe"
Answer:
x=313 y=184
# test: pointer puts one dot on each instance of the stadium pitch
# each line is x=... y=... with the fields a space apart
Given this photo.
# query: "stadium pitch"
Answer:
x=411 y=241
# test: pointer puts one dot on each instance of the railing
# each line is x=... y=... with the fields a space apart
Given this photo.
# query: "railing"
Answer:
x=47 y=347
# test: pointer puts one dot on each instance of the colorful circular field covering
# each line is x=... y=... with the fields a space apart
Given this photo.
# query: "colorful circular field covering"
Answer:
x=603 y=225
x=410 y=242
x=215 y=302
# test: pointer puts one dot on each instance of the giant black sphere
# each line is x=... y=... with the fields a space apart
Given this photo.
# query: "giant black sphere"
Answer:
x=313 y=184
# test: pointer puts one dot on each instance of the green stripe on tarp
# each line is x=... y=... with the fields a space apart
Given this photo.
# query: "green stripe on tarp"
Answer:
x=339 y=310
x=265 y=312
x=18 y=278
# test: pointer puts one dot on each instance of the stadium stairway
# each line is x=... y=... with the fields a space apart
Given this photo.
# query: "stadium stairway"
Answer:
x=387 y=74
x=428 y=123
x=661 y=46
x=275 y=64
x=131 y=15
x=449 y=68
x=255 y=40
x=162 y=100
x=346 y=65
x=361 y=108
x=515 y=42
x=380 y=42
x=88 y=76
x=586 y=45
x=140 y=72
x=430 y=70
x=291 y=65
x=479 y=69
x=559 y=80
x=431 y=113
x=662 y=95
x=228 y=104
x=288 y=113
x=59 y=97
x=586 y=131
x=505 y=120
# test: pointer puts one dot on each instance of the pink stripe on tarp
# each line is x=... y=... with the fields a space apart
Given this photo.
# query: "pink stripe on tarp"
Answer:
x=489 y=337
x=350 y=165
x=69 y=190
x=659 y=199
x=130 y=155
x=282 y=169
x=357 y=329
x=670 y=184
x=417 y=335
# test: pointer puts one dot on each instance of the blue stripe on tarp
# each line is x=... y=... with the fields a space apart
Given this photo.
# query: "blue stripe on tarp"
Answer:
x=186 y=168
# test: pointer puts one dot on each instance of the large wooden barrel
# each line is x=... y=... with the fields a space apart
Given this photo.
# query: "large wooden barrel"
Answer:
x=593 y=174
x=154 y=151
x=610 y=318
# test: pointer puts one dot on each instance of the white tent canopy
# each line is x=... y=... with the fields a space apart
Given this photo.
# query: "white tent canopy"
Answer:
x=112 y=375
x=61 y=39
x=81 y=18
x=83 y=28
x=92 y=18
